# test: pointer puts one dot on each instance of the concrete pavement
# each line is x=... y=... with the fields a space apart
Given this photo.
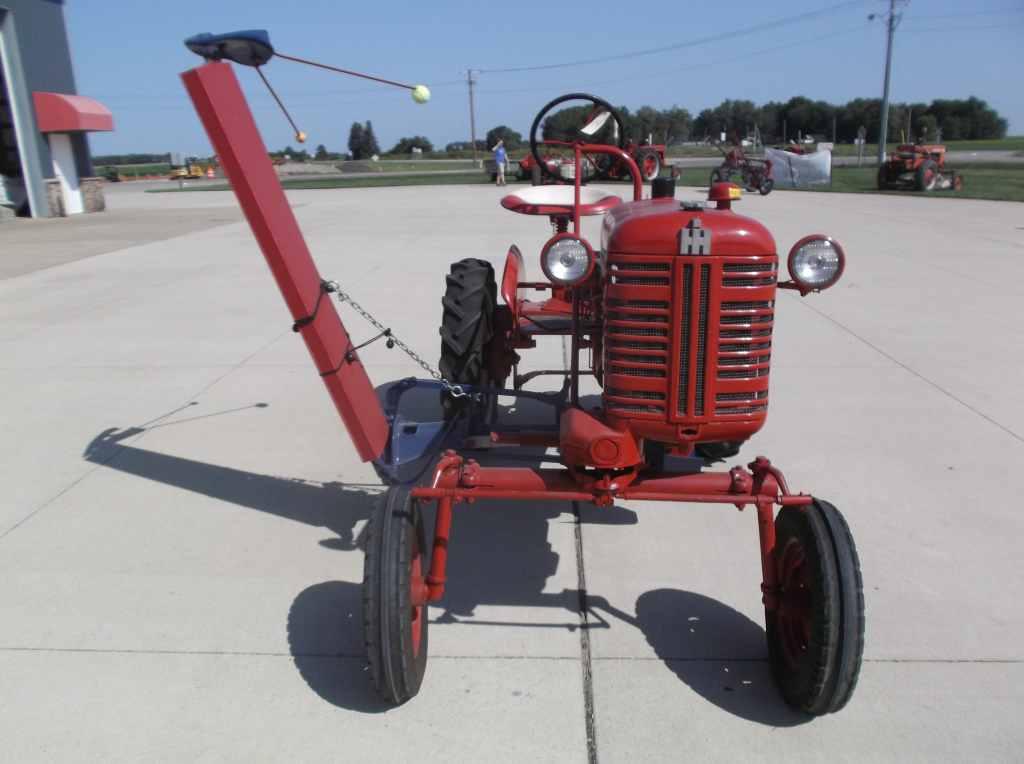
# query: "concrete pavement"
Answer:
x=181 y=522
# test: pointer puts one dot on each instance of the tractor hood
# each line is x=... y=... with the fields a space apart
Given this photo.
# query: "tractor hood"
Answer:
x=654 y=227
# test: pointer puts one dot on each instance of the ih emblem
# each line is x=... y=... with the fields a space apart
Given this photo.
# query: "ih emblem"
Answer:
x=694 y=239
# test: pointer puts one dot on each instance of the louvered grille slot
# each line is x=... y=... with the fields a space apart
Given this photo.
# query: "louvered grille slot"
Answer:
x=635 y=317
x=747 y=360
x=619 y=345
x=731 y=320
x=744 y=333
x=746 y=282
x=633 y=408
x=743 y=410
x=638 y=331
x=636 y=371
x=637 y=281
x=648 y=359
x=743 y=374
x=744 y=347
x=749 y=305
x=761 y=395
x=639 y=304
x=640 y=267
x=684 y=341
x=702 y=340
x=748 y=267
x=649 y=395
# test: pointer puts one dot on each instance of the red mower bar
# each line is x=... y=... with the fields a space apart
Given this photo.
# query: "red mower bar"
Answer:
x=229 y=123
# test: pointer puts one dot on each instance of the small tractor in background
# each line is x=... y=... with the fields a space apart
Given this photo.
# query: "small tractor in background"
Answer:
x=650 y=158
x=918 y=166
x=754 y=174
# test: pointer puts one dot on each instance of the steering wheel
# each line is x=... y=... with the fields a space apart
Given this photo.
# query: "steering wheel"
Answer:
x=596 y=120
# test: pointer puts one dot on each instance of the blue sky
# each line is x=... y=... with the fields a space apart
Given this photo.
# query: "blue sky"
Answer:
x=128 y=55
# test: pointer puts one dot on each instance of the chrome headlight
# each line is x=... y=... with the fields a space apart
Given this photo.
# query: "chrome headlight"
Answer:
x=816 y=262
x=567 y=259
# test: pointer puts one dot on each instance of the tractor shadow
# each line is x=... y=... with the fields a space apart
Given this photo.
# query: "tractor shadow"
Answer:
x=501 y=557
x=714 y=650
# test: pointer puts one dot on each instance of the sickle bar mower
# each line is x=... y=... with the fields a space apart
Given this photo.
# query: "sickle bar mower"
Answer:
x=672 y=315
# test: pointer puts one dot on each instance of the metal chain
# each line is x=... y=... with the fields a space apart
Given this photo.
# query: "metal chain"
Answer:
x=454 y=390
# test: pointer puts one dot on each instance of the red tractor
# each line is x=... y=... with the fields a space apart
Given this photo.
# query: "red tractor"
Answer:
x=754 y=174
x=561 y=165
x=671 y=312
x=918 y=166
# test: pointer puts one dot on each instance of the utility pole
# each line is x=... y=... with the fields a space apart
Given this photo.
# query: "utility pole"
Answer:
x=883 y=133
x=472 y=114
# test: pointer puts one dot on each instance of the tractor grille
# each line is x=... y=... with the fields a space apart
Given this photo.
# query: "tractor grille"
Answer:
x=709 y=317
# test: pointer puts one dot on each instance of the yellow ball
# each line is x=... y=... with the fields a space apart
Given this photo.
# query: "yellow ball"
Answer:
x=300 y=137
x=421 y=94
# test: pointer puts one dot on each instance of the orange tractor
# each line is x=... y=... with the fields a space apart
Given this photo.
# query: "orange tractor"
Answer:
x=918 y=166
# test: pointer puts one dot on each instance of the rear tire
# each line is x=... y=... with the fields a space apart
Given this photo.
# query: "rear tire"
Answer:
x=926 y=176
x=816 y=635
x=467 y=325
x=394 y=571
x=766 y=187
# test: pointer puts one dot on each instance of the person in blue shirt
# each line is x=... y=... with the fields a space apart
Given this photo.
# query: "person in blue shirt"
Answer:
x=500 y=160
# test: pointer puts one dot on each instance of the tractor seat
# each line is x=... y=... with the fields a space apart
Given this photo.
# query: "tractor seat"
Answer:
x=559 y=201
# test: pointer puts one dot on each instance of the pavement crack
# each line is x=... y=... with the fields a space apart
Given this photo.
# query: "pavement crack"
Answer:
x=585 y=655
x=915 y=373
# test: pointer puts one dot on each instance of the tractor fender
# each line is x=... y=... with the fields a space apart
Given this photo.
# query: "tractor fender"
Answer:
x=510 y=279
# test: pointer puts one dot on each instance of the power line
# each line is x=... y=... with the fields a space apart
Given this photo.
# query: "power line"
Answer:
x=971 y=13
x=675 y=70
x=800 y=17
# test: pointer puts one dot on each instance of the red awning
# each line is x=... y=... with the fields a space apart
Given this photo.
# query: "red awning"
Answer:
x=61 y=113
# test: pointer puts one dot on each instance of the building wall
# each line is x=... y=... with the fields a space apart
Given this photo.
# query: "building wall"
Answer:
x=45 y=57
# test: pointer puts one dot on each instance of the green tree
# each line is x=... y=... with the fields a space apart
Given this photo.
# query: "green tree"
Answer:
x=321 y=152
x=406 y=145
x=369 y=144
x=513 y=140
x=355 y=141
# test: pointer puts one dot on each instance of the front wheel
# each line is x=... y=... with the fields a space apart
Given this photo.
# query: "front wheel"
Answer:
x=717 y=177
x=649 y=163
x=927 y=176
x=816 y=634
x=395 y=597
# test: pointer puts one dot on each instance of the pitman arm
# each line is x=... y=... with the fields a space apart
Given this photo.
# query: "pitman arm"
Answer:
x=229 y=123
